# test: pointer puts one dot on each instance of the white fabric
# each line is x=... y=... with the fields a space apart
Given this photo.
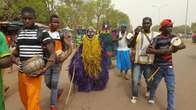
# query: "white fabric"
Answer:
x=122 y=44
x=54 y=35
x=142 y=44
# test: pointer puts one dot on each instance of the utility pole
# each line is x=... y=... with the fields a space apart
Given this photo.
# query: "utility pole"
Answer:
x=186 y=19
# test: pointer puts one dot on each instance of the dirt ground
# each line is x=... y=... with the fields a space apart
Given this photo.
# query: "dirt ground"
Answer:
x=116 y=95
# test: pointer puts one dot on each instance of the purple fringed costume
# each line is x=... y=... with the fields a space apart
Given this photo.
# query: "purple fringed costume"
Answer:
x=84 y=82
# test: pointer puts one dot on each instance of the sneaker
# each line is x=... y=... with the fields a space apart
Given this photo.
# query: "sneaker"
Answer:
x=53 y=107
x=147 y=94
x=151 y=101
x=133 y=100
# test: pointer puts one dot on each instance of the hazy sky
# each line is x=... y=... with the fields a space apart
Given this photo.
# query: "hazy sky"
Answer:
x=174 y=9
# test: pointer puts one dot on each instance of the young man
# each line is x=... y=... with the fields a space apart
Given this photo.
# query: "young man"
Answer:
x=89 y=64
x=5 y=61
x=52 y=74
x=163 y=49
x=123 y=52
x=142 y=61
x=31 y=42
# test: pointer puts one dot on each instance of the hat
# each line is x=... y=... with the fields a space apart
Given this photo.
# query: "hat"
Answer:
x=166 y=22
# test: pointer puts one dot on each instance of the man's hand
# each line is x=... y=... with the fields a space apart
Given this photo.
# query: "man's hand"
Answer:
x=150 y=49
x=39 y=72
x=173 y=49
x=137 y=30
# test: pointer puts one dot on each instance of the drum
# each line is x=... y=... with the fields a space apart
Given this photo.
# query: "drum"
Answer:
x=176 y=41
x=32 y=65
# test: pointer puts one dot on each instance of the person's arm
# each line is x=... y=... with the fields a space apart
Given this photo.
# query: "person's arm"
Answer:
x=117 y=39
x=5 y=59
x=48 y=43
x=133 y=39
x=152 y=50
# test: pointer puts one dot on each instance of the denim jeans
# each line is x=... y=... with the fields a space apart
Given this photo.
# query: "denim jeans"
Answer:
x=168 y=73
x=138 y=69
x=51 y=80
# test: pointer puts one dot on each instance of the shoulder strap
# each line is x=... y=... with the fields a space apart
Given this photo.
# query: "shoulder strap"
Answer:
x=147 y=37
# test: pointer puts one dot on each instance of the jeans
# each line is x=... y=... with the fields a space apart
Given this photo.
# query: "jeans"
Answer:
x=168 y=73
x=51 y=80
x=137 y=72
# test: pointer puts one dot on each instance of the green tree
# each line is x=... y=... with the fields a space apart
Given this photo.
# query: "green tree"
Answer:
x=193 y=27
x=116 y=17
x=181 y=29
x=102 y=6
x=155 y=28
x=11 y=9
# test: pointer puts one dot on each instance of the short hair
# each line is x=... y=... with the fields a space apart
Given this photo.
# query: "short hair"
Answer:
x=28 y=10
x=147 y=18
x=53 y=16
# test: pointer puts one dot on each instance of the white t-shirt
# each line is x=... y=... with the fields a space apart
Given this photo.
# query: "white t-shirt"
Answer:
x=122 y=44
x=54 y=35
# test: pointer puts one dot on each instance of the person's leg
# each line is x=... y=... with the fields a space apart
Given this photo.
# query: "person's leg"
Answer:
x=48 y=76
x=147 y=71
x=170 y=84
x=22 y=89
x=33 y=86
x=155 y=83
x=135 y=82
x=2 y=105
x=54 y=83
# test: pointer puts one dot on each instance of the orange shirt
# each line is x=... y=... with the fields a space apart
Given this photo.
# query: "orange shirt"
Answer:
x=56 y=37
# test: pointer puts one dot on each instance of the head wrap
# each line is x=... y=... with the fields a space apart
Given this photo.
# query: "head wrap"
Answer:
x=166 y=22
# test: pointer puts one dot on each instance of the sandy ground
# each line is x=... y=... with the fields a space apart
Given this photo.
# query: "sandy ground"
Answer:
x=116 y=95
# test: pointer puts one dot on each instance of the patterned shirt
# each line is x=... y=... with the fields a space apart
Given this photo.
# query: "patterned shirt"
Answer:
x=162 y=42
x=29 y=42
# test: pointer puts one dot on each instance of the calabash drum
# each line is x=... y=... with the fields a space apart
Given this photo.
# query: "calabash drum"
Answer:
x=176 y=41
x=32 y=65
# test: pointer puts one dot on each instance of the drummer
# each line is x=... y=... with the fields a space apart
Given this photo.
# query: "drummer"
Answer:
x=30 y=42
x=163 y=49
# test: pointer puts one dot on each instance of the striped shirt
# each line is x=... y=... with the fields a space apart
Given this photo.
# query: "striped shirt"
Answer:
x=162 y=42
x=29 y=43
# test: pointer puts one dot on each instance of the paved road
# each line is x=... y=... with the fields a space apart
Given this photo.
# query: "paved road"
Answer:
x=115 y=96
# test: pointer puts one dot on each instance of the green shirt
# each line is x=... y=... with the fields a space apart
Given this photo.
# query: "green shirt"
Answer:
x=4 y=51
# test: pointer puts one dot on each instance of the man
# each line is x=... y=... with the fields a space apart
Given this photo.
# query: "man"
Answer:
x=142 y=61
x=5 y=61
x=163 y=49
x=31 y=42
x=52 y=74
x=123 y=52
x=106 y=39
x=89 y=64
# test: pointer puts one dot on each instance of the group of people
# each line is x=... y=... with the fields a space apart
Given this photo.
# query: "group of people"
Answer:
x=32 y=43
x=143 y=52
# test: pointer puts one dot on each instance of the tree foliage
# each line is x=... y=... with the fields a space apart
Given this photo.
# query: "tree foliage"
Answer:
x=193 y=27
x=155 y=28
x=181 y=29
x=73 y=13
